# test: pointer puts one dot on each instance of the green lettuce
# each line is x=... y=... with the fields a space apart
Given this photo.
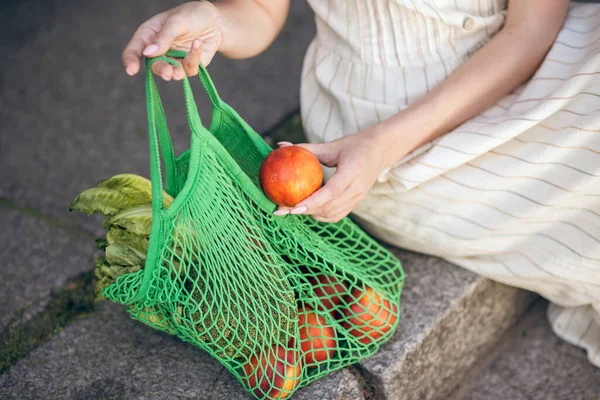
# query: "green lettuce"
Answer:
x=134 y=186
x=102 y=200
x=137 y=220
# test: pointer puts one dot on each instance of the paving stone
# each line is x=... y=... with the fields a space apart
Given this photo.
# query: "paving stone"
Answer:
x=110 y=356
x=36 y=258
x=535 y=364
x=495 y=387
x=449 y=318
x=70 y=116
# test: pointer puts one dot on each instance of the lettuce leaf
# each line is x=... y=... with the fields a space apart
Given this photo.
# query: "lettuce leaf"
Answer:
x=102 y=200
x=137 y=220
x=121 y=255
x=138 y=243
x=134 y=186
x=101 y=244
x=116 y=194
x=107 y=274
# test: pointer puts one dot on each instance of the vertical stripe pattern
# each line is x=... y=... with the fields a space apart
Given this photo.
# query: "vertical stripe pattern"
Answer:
x=514 y=193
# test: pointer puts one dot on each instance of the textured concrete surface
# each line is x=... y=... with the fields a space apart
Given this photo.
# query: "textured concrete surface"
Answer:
x=450 y=317
x=534 y=364
x=70 y=116
x=110 y=356
x=36 y=258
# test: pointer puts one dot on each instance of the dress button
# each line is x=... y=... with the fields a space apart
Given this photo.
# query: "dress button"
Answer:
x=468 y=24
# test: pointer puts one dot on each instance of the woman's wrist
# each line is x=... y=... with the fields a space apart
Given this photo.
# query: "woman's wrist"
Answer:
x=226 y=24
x=248 y=27
x=404 y=132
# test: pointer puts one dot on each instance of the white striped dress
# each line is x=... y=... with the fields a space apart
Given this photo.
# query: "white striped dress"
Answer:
x=514 y=193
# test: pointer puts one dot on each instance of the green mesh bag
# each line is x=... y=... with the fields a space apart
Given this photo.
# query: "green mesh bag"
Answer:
x=279 y=301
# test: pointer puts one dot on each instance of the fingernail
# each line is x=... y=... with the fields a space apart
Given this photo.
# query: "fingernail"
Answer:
x=299 y=210
x=150 y=49
x=196 y=44
x=129 y=72
x=166 y=77
x=284 y=144
x=281 y=212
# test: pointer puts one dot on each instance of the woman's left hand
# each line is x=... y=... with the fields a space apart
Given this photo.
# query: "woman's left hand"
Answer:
x=358 y=161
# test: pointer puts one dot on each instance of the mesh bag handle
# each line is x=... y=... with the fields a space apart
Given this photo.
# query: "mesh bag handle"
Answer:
x=160 y=145
x=162 y=130
x=207 y=83
x=222 y=113
x=160 y=138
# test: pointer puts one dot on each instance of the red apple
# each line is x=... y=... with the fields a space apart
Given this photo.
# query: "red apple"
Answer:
x=369 y=316
x=317 y=339
x=290 y=174
x=274 y=374
x=329 y=289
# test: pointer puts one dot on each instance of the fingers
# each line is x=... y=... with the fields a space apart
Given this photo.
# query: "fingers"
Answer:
x=191 y=61
x=164 y=69
x=164 y=38
x=327 y=153
x=340 y=207
x=283 y=211
x=142 y=37
x=133 y=51
x=178 y=73
x=190 y=64
x=333 y=211
x=319 y=202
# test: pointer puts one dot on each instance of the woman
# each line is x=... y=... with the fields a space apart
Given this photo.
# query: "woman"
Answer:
x=467 y=129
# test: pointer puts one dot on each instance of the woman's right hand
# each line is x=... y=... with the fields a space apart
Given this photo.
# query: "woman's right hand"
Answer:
x=196 y=27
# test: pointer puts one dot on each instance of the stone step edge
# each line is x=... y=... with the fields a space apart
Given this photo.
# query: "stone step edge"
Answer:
x=509 y=337
x=433 y=367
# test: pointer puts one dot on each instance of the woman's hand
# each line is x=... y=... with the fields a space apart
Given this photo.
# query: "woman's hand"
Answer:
x=359 y=163
x=194 y=26
x=235 y=28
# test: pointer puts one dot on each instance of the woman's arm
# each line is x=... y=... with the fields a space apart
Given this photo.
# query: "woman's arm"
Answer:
x=507 y=60
x=510 y=58
x=236 y=28
x=253 y=25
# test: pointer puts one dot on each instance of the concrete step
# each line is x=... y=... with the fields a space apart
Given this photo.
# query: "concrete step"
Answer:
x=449 y=318
x=531 y=363
x=110 y=356
x=82 y=120
x=38 y=257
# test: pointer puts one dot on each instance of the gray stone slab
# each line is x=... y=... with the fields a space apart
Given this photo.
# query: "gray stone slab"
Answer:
x=535 y=364
x=70 y=116
x=36 y=258
x=110 y=356
x=449 y=318
x=495 y=387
